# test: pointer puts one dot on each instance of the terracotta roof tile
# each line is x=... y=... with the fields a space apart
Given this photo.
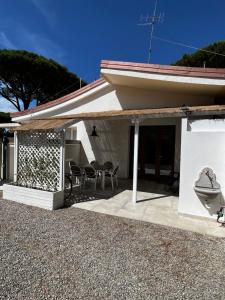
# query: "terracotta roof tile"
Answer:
x=164 y=69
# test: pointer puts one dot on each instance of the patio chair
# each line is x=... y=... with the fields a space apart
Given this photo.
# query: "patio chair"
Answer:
x=76 y=173
x=108 y=165
x=94 y=164
x=90 y=174
x=72 y=163
x=112 y=175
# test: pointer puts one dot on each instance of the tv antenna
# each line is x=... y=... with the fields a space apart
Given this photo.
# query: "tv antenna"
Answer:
x=151 y=21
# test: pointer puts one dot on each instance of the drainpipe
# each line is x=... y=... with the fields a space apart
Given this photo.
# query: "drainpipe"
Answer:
x=135 y=164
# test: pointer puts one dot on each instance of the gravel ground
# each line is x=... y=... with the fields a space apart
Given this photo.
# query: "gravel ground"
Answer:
x=77 y=254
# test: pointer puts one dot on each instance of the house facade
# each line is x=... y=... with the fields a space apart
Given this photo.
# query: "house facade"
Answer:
x=155 y=122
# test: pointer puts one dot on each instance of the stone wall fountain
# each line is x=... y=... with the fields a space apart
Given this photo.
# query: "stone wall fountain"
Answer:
x=206 y=187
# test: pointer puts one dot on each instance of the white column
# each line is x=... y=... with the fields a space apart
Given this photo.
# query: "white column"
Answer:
x=15 y=156
x=62 y=161
x=2 y=162
x=135 y=164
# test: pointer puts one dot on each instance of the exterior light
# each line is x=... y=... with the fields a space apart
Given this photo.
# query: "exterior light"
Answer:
x=94 y=132
x=185 y=110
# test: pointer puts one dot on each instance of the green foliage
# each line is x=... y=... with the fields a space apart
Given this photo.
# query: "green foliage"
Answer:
x=201 y=58
x=4 y=117
x=25 y=76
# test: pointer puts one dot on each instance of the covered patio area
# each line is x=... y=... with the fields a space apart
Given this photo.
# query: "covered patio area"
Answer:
x=40 y=168
x=155 y=204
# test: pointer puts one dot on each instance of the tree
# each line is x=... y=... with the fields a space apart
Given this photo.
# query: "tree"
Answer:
x=26 y=76
x=5 y=118
x=205 y=58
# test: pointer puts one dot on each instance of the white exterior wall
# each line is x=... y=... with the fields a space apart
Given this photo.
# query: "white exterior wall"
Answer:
x=137 y=98
x=113 y=140
x=72 y=152
x=118 y=97
x=112 y=143
x=115 y=98
x=202 y=145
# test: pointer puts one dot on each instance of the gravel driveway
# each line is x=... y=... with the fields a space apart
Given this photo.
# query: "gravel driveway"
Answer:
x=78 y=254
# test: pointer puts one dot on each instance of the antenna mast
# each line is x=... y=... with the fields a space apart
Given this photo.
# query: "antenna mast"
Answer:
x=151 y=21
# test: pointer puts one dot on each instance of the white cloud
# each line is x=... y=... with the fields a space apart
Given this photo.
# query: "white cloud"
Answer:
x=5 y=42
x=39 y=44
x=6 y=106
x=44 y=9
x=23 y=38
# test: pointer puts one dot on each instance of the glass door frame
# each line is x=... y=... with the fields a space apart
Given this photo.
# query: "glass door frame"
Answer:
x=142 y=142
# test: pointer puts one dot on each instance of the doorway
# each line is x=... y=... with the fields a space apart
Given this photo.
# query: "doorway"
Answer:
x=156 y=152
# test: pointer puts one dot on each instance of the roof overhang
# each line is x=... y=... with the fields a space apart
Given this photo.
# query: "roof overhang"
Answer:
x=9 y=125
x=167 y=78
x=137 y=75
x=45 y=124
x=65 y=121
x=148 y=113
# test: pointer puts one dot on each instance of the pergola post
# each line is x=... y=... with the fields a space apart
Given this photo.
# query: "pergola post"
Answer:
x=135 y=163
x=15 y=156
x=62 y=161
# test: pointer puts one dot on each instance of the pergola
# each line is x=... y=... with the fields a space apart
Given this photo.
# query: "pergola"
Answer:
x=39 y=144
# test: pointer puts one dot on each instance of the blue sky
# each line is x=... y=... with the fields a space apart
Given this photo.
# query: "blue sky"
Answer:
x=79 y=34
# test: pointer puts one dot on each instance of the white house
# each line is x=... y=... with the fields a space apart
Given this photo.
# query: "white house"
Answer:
x=154 y=121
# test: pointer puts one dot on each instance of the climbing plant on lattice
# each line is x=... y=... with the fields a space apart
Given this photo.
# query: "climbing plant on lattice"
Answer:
x=38 y=162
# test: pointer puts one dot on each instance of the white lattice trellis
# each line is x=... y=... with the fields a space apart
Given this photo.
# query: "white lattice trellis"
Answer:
x=39 y=159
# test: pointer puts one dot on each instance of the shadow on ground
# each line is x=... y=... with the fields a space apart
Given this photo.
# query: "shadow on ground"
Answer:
x=89 y=194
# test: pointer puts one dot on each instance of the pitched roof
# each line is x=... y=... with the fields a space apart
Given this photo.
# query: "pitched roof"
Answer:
x=59 y=100
x=139 y=67
x=164 y=69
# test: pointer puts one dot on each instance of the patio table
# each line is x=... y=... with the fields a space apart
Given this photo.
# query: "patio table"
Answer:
x=102 y=170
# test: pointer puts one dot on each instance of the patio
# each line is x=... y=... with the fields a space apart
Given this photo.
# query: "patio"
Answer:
x=40 y=159
x=155 y=204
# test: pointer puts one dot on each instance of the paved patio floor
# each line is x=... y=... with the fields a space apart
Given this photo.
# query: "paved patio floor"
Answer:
x=155 y=207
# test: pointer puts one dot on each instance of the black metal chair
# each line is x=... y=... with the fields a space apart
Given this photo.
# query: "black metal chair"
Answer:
x=108 y=165
x=90 y=175
x=76 y=172
x=72 y=163
x=112 y=175
x=94 y=164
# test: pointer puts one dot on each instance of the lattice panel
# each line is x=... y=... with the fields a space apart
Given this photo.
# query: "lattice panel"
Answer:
x=39 y=159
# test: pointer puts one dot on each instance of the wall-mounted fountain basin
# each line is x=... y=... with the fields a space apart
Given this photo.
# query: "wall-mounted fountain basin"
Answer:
x=206 y=187
x=207 y=193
